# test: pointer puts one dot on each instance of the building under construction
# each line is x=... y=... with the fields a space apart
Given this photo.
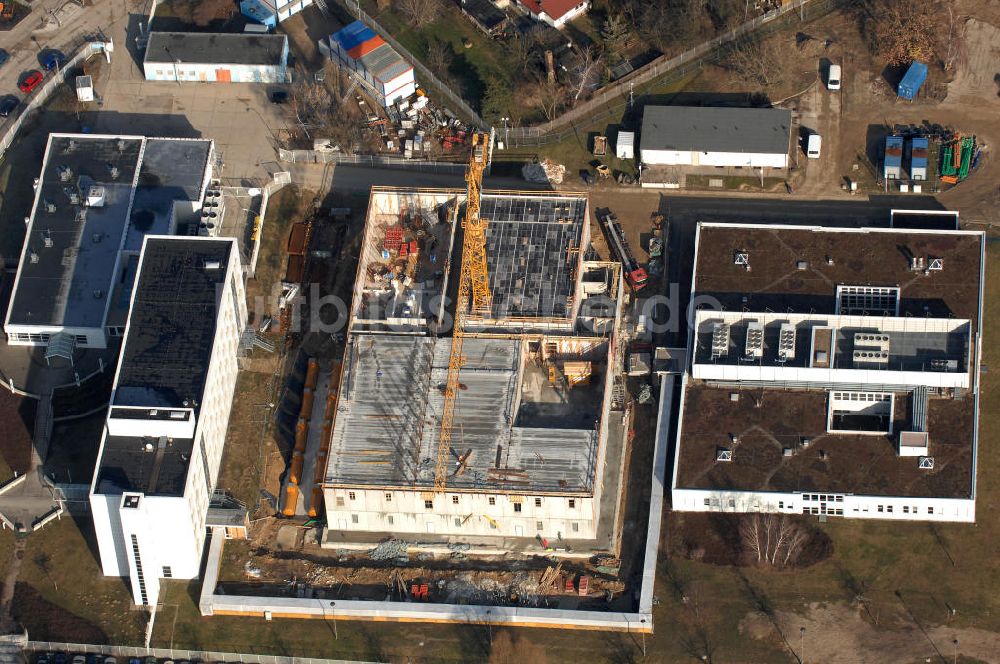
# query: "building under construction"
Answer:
x=534 y=436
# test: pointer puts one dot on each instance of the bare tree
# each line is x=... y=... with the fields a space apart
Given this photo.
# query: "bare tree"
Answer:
x=585 y=75
x=418 y=12
x=547 y=96
x=440 y=57
x=524 y=51
x=319 y=114
x=772 y=540
x=900 y=31
x=756 y=64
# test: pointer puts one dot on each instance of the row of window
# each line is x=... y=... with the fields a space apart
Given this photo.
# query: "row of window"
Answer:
x=80 y=339
x=459 y=522
x=429 y=504
x=822 y=497
x=714 y=502
x=815 y=510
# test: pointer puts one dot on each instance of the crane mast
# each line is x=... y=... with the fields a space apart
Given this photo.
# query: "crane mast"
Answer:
x=473 y=285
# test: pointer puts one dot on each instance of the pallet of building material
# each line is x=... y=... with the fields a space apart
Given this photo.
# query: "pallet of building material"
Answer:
x=583 y=586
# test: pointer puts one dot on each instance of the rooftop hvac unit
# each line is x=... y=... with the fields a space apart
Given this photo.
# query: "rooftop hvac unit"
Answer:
x=720 y=340
x=95 y=197
x=786 y=342
x=47 y=239
x=867 y=340
x=941 y=364
x=878 y=358
x=742 y=258
x=755 y=340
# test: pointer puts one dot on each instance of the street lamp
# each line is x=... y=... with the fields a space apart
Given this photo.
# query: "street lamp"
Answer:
x=489 y=626
x=802 y=651
x=333 y=612
x=506 y=133
x=955 y=641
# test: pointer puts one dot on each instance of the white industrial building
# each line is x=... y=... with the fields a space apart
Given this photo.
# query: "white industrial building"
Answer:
x=833 y=372
x=538 y=434
x=715 y=137
x=159 y=458
x=216 y=57
x=96 y=199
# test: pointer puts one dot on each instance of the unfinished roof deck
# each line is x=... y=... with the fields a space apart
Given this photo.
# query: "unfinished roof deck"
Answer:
x=534 y=249
x=798 y=269
x=766 y=421
x=523 y=432
x=398 y=288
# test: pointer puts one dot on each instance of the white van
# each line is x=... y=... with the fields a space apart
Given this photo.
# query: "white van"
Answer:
x=833 y=78
x=813 y=144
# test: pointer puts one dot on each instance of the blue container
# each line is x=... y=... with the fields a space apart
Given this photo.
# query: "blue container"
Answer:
x=912 y=80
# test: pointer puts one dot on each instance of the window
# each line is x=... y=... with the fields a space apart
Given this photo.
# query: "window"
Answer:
x=888 y=508
x=708 y=501
x=732 y=502
x=781 y=504
x=493 y=501
x=493 y=525
x=454 y=500
x=840 y=499
x=539 y=525
x=388 y=497
x=906 y=509
x=914 y=509
x=390 y=519
x=340 y=501
x=576 y=527
x=354 y=518
x=517 y=507
x=572 y=503
x=458 y=522
x=351 y=495
x=167 y=572
x=538 y=502
x=428 y=504
x=930 y=510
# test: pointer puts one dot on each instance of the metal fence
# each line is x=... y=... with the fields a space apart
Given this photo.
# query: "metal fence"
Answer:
x=370 y=161
x=354 y=7
x=42 y=93
x=177 y=654
x=612 y=101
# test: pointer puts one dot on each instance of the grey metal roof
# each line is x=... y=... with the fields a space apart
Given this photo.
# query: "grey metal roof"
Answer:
x=385 y=64
x=388 y=420
x=214 y=48
x=711 y=129
x=75 y=247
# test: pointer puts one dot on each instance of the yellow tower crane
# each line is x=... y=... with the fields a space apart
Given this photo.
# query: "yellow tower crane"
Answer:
x=473 y=283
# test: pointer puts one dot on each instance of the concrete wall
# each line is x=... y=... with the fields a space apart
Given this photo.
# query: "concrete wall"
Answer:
x=210 y=73
x=404 y=511
x=652 y=157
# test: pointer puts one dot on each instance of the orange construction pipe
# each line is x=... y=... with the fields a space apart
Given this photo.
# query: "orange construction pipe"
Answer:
x=307 y=403
x=319 y=474
x=312 y=372
x=295 y=470
x=301 y=435
x=315 y=502
x=291 y=500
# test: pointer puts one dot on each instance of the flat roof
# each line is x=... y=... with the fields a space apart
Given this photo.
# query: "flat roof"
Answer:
x=767 y=420
x=716 y=129
x=171 y=326
x=388 y=418
x=67 y=269
x=154 y=466
x=216 y=48
x=533 y=252
x=778 y=281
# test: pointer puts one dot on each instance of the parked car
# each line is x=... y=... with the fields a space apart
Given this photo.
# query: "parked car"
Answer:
x=279 y=97
x=4 y=57
x=53 y=59
x=31 y=81
x=833 y=77
x=110 y=660
x=7 y=106
x=60 y=657
x=134 y=660
x=79 y=659
x=813 y=145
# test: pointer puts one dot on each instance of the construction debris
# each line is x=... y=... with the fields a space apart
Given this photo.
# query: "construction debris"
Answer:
x=391 y=549
x=544 y=172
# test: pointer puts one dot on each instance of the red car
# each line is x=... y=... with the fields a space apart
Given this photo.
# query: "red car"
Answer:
x=31 y=81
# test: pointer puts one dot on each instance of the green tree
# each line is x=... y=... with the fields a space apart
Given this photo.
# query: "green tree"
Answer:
x=498 y=100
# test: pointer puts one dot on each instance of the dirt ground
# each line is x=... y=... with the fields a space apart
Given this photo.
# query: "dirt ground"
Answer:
x=840 y=634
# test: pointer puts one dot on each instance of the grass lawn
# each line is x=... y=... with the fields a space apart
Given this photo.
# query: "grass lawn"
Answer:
x=471 y=67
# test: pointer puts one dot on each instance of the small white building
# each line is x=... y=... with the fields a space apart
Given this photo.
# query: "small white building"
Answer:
x=715 y=137
x=216 y=58
x=84 y=88
x=556 y=13
x=829 y=380
x=166 y=427
x=625 y=145
x=86 y=229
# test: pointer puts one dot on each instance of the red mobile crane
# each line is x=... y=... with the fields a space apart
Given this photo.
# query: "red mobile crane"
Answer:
x=635 y=274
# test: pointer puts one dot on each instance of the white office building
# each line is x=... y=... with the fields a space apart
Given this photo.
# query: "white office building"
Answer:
x=185 y=57
x=96 y=199
x=833 y=372
x=159 y=460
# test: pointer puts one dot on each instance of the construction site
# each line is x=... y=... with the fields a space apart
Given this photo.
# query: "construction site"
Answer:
x=471 y=445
